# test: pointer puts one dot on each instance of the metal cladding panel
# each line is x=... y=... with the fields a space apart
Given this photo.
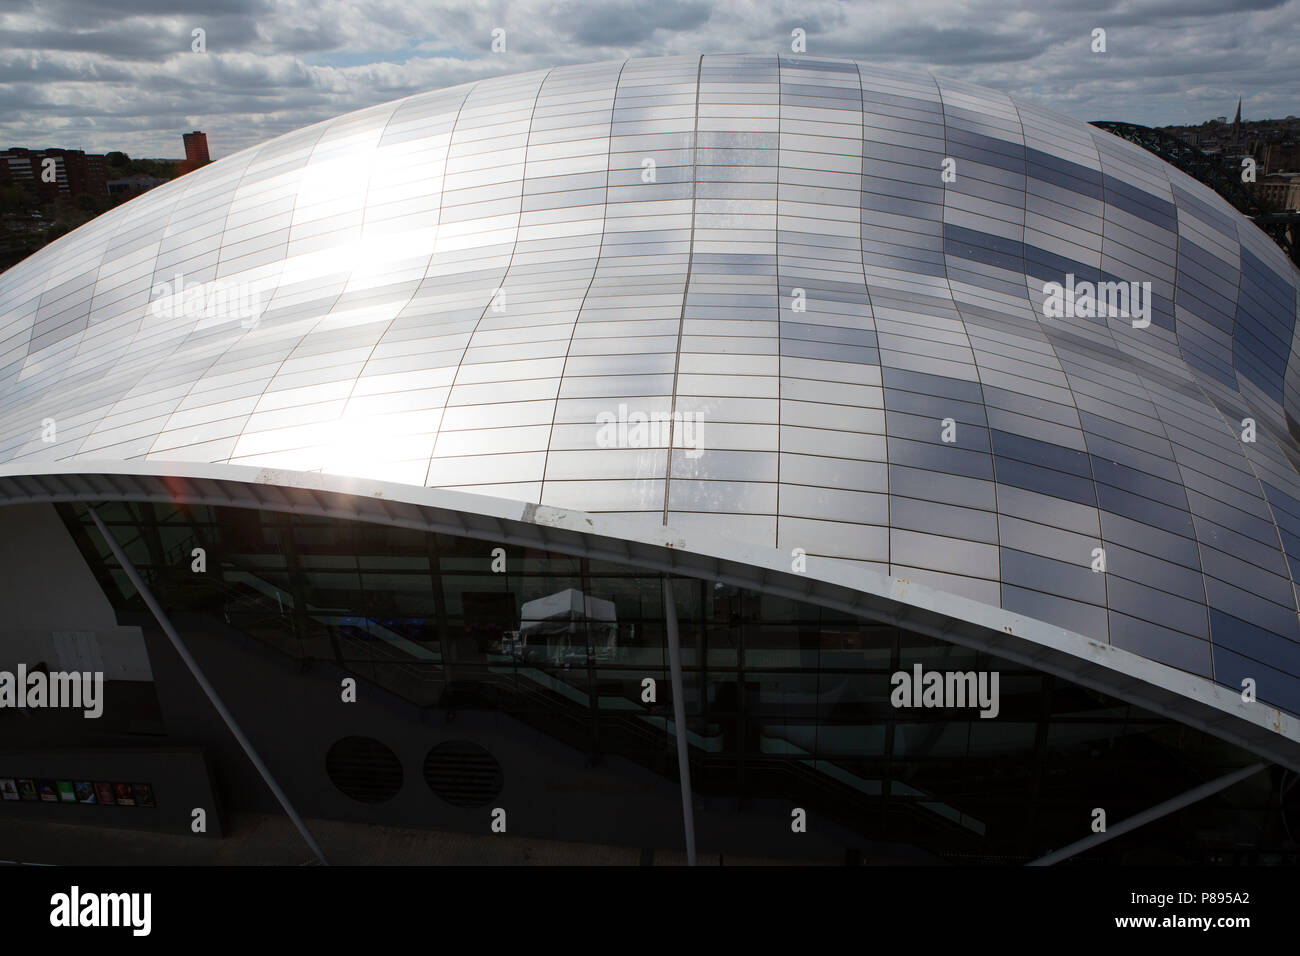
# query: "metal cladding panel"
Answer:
x=791 y=302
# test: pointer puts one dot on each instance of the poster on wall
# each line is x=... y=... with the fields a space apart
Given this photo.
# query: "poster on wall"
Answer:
x=78 y=791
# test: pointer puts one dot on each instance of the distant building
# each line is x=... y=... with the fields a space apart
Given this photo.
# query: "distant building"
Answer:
x=16 y=168
x=1281 y=191
x=1281 y=158
x=87 y=172
x=196 y=150
x=73 y=172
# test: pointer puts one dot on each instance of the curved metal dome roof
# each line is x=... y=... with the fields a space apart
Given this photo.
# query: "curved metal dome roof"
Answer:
x=461 y=289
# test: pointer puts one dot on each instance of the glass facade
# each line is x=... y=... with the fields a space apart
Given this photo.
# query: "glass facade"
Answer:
x=785 y=702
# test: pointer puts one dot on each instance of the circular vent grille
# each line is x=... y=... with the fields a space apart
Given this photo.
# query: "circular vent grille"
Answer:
x=463 y=773
x=364 y=769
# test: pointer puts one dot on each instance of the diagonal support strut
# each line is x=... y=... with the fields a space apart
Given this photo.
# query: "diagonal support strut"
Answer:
x=1154 y=813
x=208 y=689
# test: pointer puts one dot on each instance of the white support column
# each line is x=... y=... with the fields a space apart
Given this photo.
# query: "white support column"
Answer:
x=208 y=689
x=679 y=718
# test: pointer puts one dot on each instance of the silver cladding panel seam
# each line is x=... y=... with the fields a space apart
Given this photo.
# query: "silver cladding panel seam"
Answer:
x=448 y=290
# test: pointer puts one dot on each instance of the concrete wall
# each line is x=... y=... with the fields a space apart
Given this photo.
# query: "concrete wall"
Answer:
x=179 y=779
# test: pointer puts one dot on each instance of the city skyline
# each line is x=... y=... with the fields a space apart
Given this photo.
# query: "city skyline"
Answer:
x=179 y=156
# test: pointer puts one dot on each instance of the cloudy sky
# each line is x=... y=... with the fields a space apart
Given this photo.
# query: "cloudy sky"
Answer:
x=120 y=74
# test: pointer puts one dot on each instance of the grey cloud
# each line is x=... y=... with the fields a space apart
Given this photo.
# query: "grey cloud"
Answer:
x=119 y=74
x=608 y=24
x=76 y=12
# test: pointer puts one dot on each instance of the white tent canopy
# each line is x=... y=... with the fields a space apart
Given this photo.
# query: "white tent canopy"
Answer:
x=566 y=606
